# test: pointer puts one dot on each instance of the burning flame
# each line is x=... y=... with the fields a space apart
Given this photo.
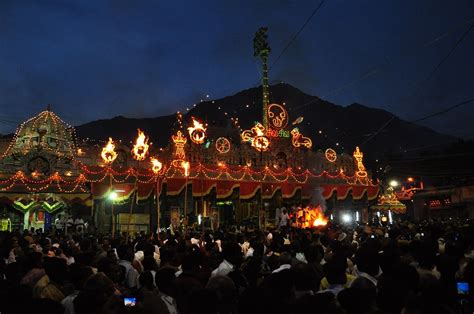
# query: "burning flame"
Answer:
x=140 y=149
x=156 y=165
x=108 y=153
x=197 y=132
x=311 y=217
x=320 y=220
x=186 y=166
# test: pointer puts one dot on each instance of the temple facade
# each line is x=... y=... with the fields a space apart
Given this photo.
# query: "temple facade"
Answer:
x=206 y=176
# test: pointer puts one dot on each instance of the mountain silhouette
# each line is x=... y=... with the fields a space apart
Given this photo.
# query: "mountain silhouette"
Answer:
x=378 y=132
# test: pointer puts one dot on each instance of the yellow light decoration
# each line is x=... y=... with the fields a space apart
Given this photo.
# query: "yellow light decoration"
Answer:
x=108 y=153
x=140 y=149
x=331 y=155
x=358 y=155
x=256 y=137
x=261 y=143
x=222 y=145
x=179 y=141
x=186 y=166
x=197 y=132
x=299 y=140
x=156 y=165
x=247 y=136
x=277 y=116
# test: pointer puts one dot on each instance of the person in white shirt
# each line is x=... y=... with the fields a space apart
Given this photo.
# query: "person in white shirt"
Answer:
x=285 y=262
x=59 y=223
x=284 y=218
x=125 y=255
x=164 y=280
x=79 y=225
x=232 y=254
x=69 y=225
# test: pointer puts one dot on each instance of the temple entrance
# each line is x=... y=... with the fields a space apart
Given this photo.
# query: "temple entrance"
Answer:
x=226 y=213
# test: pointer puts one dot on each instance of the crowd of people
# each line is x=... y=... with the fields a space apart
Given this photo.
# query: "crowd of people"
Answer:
x=400 y=268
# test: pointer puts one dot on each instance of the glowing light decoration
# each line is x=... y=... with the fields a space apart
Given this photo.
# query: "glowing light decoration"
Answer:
x=186 y=166
x=222 y=145
x=197 y=132
x=256 y=137
x=330 y=155
x=277 y=116
x=358 y=155
x=156 y=165
x=298 y=120
x=140 y=149
x=108 y=153
x=179 y=141
x=299 y=140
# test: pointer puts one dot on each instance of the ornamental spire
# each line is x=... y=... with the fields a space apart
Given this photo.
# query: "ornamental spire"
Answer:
x=262 y=50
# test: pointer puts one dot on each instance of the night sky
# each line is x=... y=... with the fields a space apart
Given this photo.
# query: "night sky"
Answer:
x=99 y=59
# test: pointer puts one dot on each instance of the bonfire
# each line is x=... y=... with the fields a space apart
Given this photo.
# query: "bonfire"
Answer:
x=311 y=217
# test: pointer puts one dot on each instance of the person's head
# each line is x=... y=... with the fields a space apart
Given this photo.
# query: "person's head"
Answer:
x=146 y=280
x=314 y=253
x=366 y=260
x=257 y=246
x=168 y=252
x=98 y=289
x=359 y=298
x=165 y=279
x=284 y=211
x=116 y=273
x=232 y=252
x=284 y=258
x=426 y=254
x=56 y=269
x=305 y=278
x=79 y=275
x=226 y=292
x=394 y=289
x=335 y=271
x=191 y=259
x=125 y=253
x=149 y=263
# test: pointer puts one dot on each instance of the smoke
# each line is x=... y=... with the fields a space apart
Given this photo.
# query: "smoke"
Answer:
x=317 y=198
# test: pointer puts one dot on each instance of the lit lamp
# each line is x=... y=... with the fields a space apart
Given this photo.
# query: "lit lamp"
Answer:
x=346 y=218
x=140 y=149
x=108 y=153
x=394 y=183
x=156 y=165
x=113 y=196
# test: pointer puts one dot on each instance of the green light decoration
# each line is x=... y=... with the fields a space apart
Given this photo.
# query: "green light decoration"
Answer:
x=52 y=208
x=18 y=205
x=262 y=50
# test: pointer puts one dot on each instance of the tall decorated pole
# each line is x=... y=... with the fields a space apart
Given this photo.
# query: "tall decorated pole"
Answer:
x=262 y=50
x=139 y=153
x=108 y=155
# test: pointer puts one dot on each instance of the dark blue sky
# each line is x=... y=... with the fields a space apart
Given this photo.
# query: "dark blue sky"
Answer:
x=98 y=59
